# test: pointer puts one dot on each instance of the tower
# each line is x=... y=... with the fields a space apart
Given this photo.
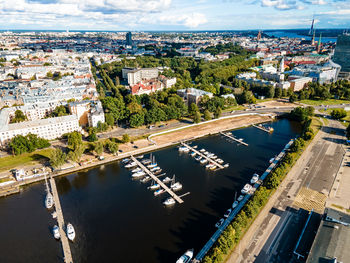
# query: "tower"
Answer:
x=342 y=52
x=281 y=69
x=259 y=36
x=129 y=39
x=313 y=38
x=319 y=44
x=312 y=27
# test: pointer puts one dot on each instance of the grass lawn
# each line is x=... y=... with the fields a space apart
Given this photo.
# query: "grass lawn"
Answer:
x=238 y=107
x=345 y=121
x=10 y=162
x=324 y=102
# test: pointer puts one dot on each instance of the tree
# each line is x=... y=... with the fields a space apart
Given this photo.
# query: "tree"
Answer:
x=92 y=135
x=60 y=111
x=125 y=138
x=278 y=92
x=19 y=117
x=136 y=120
x=29 y=143
x=57 y=158
x=74 y=139
x=293 y=98
x=272 y=181
x=98 y=148
x=193 y=109
x=207 y=115
x=217 y=113
x=77 y=153
x=196 y=117
x=112 y=147
x=338 y=114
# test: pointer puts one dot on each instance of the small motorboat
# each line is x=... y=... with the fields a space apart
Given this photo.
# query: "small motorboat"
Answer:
x=70 y=232
x=169 y=201
x=139 y=157
x=176 y=186
x=254 y=179
x=235 y=203
x=158 y=192
x=131 y=165
x=209 y=165
x=193 y=154
x=213 y=167
x=154 y=186
x=221 y=221
x=182 y=148
x=246 y=189
x=49 y=201
x=186 y=258
x=157 y=171
x=152 y=165
x=202 y=150
x=125 y=160
x=136 y=170
x=186 y=150
x=198 y=158
x=146 y=161
x=56 y=232
x=203 y=161
x=146 y=179
x=206 y=152
x=138 y=174
x=240 y=198
x=167 y=180
x=271 y=160
x=228 y=212
x=156 y=168
x=220 y=161
x=226 y=165
x=54 y=215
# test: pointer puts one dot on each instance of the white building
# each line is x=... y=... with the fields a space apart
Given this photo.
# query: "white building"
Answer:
x=135 y=76
x=88 y=112
x=49 y=129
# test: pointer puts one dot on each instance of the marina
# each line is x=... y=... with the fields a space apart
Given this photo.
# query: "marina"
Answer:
x=230 y=136
x=108 y=206
x=205 y=157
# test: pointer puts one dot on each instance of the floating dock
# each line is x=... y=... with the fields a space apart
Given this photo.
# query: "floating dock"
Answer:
x=64 y=240
x=155 y=178
x=263 y=128
x=230 y=136
x=240 y=205
x=203 y=156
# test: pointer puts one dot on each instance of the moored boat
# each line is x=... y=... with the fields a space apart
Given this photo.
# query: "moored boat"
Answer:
x=49 y=201
x=228 y=212
x=254 y=179
x=203 y=161
x=70 y=232
x=136 y=170
x=240 y=198
x=138 y=174
x=186 y=258
x=221 y=221
x=167 y=180
x=235 y=203
x=131 y=165
x=169 y=201
x=176 y=186
x=246 y=189
x=158 y=192
x=56 y=232
x=198 y=158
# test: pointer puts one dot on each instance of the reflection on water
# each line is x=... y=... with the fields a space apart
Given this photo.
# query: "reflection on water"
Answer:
x=119 y=220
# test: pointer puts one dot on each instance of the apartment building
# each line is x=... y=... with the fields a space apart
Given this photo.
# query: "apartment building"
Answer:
x=134 y=75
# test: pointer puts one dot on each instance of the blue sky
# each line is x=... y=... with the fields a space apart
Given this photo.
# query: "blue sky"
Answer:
x=172 y=14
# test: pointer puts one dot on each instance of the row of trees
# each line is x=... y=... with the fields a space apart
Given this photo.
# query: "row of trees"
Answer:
x=29 y=143
x=233 y=233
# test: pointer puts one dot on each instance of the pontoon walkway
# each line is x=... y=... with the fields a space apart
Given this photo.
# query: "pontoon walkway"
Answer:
x=229 y=135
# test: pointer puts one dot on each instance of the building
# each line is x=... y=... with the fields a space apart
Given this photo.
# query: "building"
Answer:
x=134 y=75
x=297 y=83
x=128 y=39
x=146 y=87
x=342 y=54
x=332 y=239
x=88 y=112
x=192 y=95
x=49 y=129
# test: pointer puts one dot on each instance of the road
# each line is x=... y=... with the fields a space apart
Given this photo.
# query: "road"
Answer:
x=307 y=186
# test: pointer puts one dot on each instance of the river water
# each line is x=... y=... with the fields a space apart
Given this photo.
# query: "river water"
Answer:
x=119 y=220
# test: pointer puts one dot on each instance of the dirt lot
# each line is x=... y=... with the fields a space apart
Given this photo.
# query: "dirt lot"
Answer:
x=279 y=103
x=210 y=128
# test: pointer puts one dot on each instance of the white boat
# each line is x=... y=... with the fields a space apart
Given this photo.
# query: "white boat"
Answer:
x=138 y=174
x=240 y=198
x=154 y=186
x=169 y=201
x=271 y=160
x=214 y=157
x=152 y=165
x=182 y=148
x=246 y=189
x=198 y=158
x=186 y=258
x=186 y=150
x=139 y=157
x=220 y=161
x=235 y=203
x=193 y=154
x=131 y=165
x=158 y=192
x=136 y=170
x=202 y=150
x=156 y=168
x=221 y=221
x=254 y=179
x=125 y=160
x=240 y=139
x=204 y=161
x=228 y=212
x=176 y=186
x=206 y=153
x=213 y=167
x=226 y=165
x=49 y=200
x=70 y=232
x=209 y=165
x=146 y=161
x=210 y=155
x=56 y=232
x=167 y=180
x=54 y=215
x=146 y=179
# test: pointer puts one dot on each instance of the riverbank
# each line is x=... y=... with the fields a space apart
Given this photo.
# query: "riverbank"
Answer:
x=162 y=140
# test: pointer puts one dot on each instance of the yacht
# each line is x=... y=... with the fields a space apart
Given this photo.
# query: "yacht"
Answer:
x=235 y=203
x=182 y=148
x=176 y=186
x=125 y=160
x=157 y=172
x=167 y=180
x=56 y=232
x=154 y=186
x=49 y=200
x=254 y=179
x=131 y=165
x=228 y=212
x=213 y=167
x=136 y=170
x=169 y=201
x=240 y=198
x=220 y=161
x=204 y=161
x=156 y=168
x=146 y=161
x=221 y=221
x=146 y=179
x=70 y=232
x=186 y=258
x=202 y=150
x=152 y=165
x=246 y=189
x=158 y=192
x=138 y=174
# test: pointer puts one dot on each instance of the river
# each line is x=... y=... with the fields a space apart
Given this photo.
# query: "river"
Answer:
x=119 y=220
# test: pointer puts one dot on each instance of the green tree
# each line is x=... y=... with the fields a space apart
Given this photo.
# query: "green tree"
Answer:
x=125 y=138
x=76 y=154
x=196 y=117
x=74 y=139
x=92 y=135
x=338 y=114
x=19 y=117
x=113 y=147
x=109 y=119
x=98 y=148
x=193 y=109
x=272 y=181
x=57 y=158
x=137 y=119
x=217 y=113
x=278 y=92
x=207 y=115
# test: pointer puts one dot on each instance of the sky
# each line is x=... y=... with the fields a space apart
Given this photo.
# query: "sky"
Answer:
x=143 y=15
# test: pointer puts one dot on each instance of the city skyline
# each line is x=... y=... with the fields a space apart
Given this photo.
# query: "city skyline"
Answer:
x=144 y=15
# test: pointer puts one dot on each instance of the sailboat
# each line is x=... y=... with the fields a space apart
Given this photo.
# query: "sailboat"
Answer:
x=49 y=198
x=175 y=186
x=154 y=186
